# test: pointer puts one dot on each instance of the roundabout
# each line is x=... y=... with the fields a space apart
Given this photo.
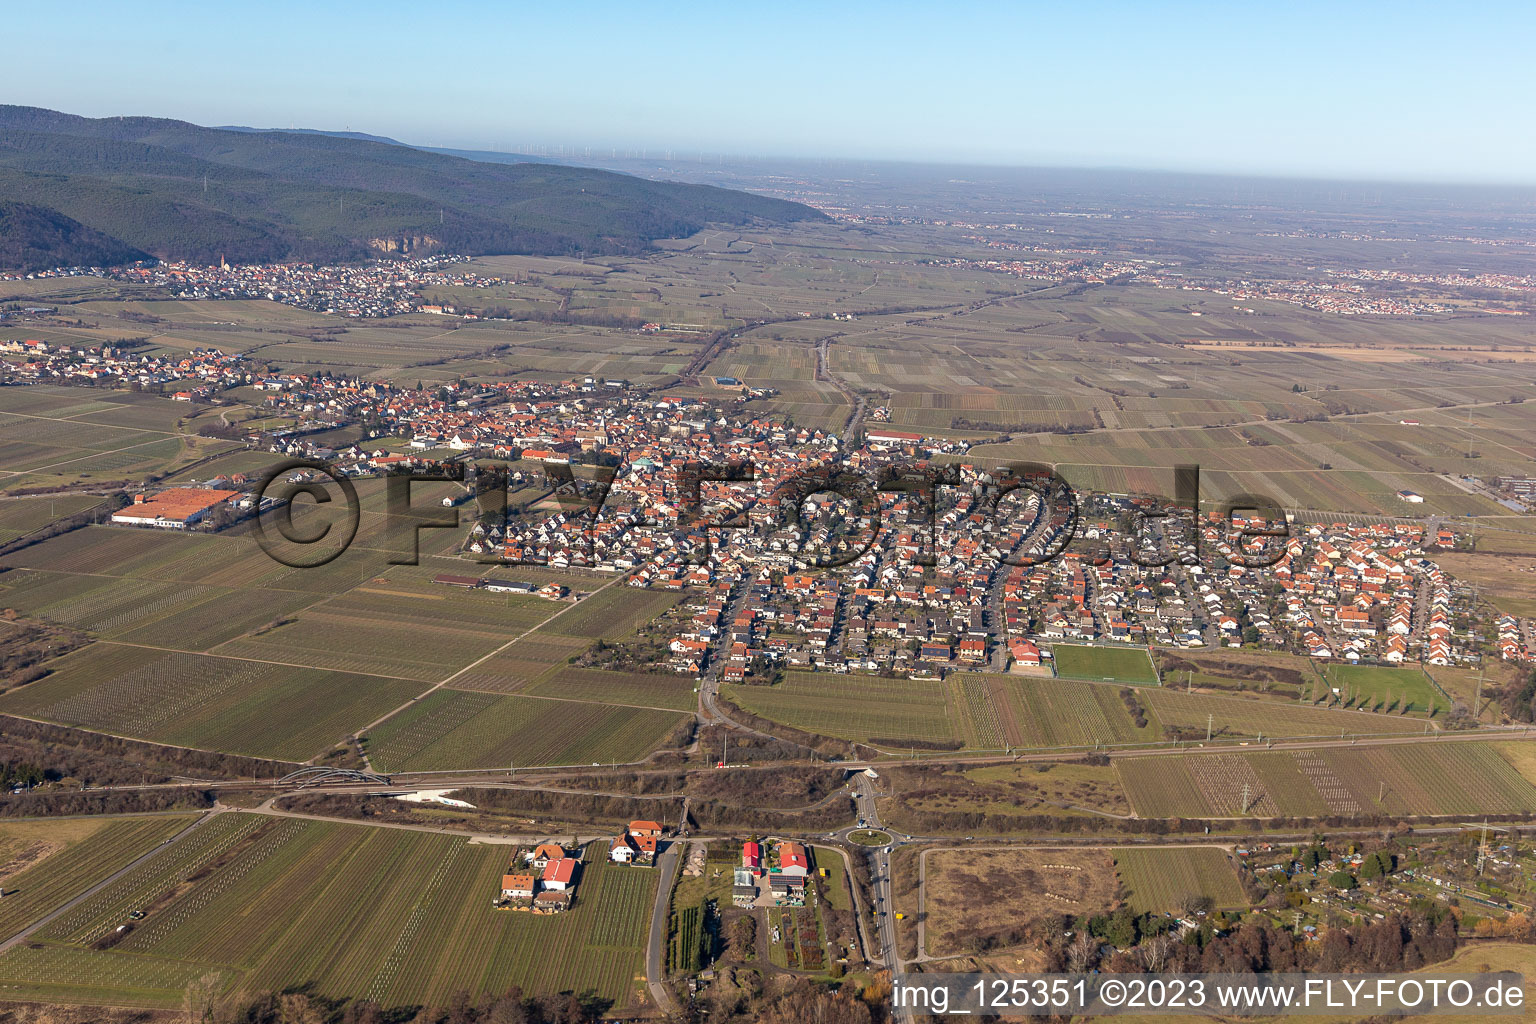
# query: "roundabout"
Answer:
x=870 y=837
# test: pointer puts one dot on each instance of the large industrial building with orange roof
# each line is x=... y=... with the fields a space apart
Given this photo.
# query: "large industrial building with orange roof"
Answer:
x=174 y=509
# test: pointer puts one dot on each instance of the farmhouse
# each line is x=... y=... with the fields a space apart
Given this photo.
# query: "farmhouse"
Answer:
x=517 y=887
x=543 y=854
x=552 y=901
x=632 y=849
x=559 y=874
x=787 y=889
x=793 y=860
x=175 y=509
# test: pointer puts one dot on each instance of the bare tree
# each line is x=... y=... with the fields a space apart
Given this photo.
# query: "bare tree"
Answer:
x=201 y=999
x=1156 y=951
x=1082 y=951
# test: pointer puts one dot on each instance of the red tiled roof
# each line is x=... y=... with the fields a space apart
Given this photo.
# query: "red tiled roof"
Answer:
x=562 y=870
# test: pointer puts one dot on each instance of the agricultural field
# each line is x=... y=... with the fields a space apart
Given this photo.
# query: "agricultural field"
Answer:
x=57 y=436
x=865 y=708
x=633 y=689
x=162 y=613
x=1160 y=880
x=56 y=864
x=425 y=929
x=972 y=710
x=1278 y=675
x=21 y=516
x=613 y=614
x=206 y=641
x=1190 y=714
x=231 y=560
x=1427 y=778
x=1507 y=581
x=1521 y=755
x=1215 y=785
x=527 y=661
x=395 y=627
x=26 y=843
x=1045 y=712
x=462 y=729
x=1451 y=778
x=946 y=799
x=242 y=706
x=686 y=950
x=1104 y=664
x=974 y=898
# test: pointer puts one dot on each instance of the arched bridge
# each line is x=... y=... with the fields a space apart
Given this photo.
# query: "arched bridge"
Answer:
x=315 y=775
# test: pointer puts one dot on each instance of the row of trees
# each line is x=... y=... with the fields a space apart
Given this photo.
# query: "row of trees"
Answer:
x=203 y=1004
x=96 y=759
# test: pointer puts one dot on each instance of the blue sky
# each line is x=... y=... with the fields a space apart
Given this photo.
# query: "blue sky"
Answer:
x=1341 y=90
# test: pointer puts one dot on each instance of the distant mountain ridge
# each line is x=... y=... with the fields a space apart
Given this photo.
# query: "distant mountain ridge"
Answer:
x=483 y=155
x=180 y=191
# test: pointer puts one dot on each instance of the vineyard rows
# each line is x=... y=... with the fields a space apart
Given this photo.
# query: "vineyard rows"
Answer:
x=95 y=917
x=390 y=969
x=31 y=893
x=205 y=701
x=986 y=724
x=460 y=729
x=67 y=974
x=1159 y=880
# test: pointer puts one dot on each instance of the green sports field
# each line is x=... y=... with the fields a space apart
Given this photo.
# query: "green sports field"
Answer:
x=1406 y=690
x=1104 y=664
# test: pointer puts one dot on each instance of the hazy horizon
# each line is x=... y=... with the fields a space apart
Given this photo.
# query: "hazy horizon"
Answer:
x=1314 y=92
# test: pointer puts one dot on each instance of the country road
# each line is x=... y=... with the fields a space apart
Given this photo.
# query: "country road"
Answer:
x=617 y=580
x=149 y=855
x=655 y=945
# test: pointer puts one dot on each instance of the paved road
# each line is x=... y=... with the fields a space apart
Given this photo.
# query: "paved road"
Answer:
x=655 y=966
x=880 y=890
x=26 y=932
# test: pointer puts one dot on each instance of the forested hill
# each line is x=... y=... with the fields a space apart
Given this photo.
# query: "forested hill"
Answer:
x=37 y=238
x=180 y=191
